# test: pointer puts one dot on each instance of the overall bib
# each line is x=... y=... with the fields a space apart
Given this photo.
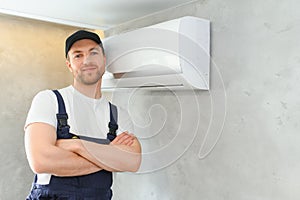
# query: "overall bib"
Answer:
x=95 y=186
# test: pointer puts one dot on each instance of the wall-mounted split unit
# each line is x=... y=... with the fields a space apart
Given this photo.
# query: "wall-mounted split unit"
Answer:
x=173 y=54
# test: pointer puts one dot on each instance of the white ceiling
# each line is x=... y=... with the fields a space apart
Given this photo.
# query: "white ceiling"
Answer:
x=95 y=14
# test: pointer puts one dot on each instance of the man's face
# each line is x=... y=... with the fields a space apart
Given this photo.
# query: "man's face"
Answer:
x=86 y=62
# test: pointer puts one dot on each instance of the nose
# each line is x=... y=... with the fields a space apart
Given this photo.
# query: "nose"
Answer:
x=87 y=59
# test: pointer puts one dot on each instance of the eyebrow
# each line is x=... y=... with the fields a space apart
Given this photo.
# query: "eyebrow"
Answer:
x=91 y=49
x=95 y=48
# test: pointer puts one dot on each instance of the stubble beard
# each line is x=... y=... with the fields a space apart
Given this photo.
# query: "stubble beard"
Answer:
x=89 y=78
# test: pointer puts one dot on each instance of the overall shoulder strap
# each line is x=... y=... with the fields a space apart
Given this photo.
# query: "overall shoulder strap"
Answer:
x=63 y=128
x=113 y=124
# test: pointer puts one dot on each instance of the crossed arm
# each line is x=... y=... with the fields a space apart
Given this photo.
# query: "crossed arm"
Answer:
x=74 y=157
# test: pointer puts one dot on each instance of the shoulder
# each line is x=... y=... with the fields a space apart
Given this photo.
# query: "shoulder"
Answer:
x=124 y=120
x=43 y=108
x=123 y=112
x=49 y=95
x=45 y=95
x=67 y=90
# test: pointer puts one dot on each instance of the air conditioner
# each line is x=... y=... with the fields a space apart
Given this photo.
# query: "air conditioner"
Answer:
x=174 y=54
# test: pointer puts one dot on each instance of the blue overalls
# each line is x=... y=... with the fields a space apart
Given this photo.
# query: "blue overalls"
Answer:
x=95 y=186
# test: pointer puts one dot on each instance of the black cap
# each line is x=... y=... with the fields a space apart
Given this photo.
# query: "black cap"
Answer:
x=79 y=35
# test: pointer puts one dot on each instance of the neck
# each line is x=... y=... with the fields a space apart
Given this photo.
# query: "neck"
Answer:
x=92 y=91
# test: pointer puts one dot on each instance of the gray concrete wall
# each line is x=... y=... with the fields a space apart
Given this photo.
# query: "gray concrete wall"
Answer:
x=255 y=54
x=31 y=59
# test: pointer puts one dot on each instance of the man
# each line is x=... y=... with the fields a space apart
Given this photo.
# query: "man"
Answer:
x=77 y=168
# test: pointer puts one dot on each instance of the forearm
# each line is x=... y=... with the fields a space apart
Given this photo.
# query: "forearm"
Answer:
x=45 y=157
x=123 y=153
x=60 y=162
x=112 y=157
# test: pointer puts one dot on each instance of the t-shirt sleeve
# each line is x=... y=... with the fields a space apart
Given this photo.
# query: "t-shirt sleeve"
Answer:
x=124 y=121
x=43 y=109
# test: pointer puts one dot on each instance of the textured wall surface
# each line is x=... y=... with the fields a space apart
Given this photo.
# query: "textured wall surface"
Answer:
x=255 y=54
x=254 y=86
x=31 y=59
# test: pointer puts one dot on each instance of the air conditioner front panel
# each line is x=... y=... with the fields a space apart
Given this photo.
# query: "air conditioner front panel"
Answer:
x=174 y=54
x=145 y=61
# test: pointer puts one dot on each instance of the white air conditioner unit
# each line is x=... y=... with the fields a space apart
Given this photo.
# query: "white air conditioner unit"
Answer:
x=173 y=54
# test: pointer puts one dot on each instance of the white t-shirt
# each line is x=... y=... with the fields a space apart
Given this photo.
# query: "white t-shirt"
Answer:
x=87 y=116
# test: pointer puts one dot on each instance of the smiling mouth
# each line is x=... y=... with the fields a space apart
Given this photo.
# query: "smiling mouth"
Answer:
x=88 y=69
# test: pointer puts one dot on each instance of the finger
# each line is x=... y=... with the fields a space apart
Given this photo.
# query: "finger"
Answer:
x=128 y=142
x=116 y=140
x=133 y=136
x=130 y=137
x=124 y=138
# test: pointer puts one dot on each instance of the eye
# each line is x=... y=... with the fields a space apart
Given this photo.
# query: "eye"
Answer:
x=94 y=53
x=77 y=55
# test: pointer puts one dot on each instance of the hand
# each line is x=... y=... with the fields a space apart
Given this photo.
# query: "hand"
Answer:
x=124 y=138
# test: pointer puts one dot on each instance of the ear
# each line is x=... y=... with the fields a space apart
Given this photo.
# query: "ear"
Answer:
x=69 y=65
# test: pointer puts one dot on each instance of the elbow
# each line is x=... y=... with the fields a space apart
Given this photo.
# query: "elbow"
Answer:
x=131 y=164
x=134 y=169
x=37 y=167
x=136 y=163
x=137 y=159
